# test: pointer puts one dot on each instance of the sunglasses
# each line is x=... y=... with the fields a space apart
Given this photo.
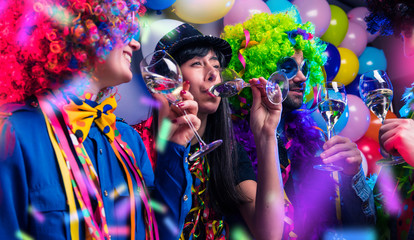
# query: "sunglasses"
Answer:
x=290 y=67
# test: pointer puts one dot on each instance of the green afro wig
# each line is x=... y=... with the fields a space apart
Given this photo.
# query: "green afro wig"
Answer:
x=269 y=42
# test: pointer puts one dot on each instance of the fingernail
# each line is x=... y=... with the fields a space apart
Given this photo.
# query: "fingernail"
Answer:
x=180 y=104
x=174 y=120
x=323 y=155
x=187 y=82
x=183 y=92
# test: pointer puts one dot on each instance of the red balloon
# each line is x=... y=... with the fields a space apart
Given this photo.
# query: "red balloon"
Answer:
x=375 y=124
x=371 y=151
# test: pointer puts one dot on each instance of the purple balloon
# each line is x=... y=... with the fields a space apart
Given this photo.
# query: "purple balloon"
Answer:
x=355 y=39
x=333 y=62
x=317 y=12
x=358 y=120
x=357 y=15
x=243 y=9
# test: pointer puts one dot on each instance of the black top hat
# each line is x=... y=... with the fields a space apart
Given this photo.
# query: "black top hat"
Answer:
x=185 y=34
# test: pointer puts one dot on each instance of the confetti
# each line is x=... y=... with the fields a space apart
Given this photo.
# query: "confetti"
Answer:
x=119 y=230
x=150 y=102
x=158 y=207
x=388 y=187
x=349 y=234
x=23 y=236
x=171 y=225
x=117 y=191
x=36 y=214
x=239 y=233
x=163 y=135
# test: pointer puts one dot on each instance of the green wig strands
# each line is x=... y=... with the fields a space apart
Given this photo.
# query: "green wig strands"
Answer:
x=270 y=32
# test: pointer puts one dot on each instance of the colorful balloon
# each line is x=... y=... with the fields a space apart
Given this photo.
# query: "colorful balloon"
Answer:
x=338 y=26
x=357 y=15
x=333 y=63
x=159 y=4
x=355 y=39
x=243 y=9
x=201 y=11
x=281 y=6
x=359 y=118
x=349 y=66
x=375 y=124
x=316 y=12
x=372 y=154
x=153 y=33
x=353 y=87
x=372 y=59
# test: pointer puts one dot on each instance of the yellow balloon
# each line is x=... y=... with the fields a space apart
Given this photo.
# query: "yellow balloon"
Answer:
x=338 y=26
x=201 y=11
x=349 y=66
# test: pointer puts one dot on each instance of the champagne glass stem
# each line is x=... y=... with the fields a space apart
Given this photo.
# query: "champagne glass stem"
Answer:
x=329 y=131
x=202 y=143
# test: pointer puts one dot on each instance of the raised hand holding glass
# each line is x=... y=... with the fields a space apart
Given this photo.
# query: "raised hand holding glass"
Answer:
x=162 y=75
x=331 y=104
x=277 y=85
x=376 y=91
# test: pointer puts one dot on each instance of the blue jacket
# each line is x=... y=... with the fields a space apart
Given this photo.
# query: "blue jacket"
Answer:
x=30 y=179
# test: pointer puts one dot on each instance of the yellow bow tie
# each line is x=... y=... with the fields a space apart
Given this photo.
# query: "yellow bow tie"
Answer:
x=81 y=116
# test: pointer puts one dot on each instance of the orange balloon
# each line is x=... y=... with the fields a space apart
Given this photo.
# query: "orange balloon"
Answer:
x=375 y=124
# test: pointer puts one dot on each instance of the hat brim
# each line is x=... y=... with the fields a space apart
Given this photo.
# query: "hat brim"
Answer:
x=217 y=43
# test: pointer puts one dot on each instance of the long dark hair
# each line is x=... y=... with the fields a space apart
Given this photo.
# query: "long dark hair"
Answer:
x=223 y=193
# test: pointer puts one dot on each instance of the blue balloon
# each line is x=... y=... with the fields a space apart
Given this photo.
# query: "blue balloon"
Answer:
x=159 y=4
x=281 y=6
x=372 y=59
x=353 y=87
x=340 y=124
x=333 y=62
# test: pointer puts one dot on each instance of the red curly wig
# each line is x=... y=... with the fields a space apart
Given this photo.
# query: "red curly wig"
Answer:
x=46 y=43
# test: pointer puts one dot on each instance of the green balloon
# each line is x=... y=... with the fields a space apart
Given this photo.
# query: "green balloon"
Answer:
x=338 y=26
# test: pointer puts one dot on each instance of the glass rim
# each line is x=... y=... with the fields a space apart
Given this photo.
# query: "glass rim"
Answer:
x=371 y=73
x=153 y=53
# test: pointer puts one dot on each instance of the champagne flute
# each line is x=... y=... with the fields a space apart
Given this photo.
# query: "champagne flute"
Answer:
x=277 y=85
x=331 y=104
x=376 y=91
x=162 y=75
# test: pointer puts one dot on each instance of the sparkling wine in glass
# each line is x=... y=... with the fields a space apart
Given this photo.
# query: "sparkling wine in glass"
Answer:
x=376 y=91
x=332 y=101
x=162 y=75
x=277 y=85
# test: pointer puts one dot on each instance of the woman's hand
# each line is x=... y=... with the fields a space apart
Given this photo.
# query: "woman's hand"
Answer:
x=264 y=115
x=180 y=131
x=396 y=136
